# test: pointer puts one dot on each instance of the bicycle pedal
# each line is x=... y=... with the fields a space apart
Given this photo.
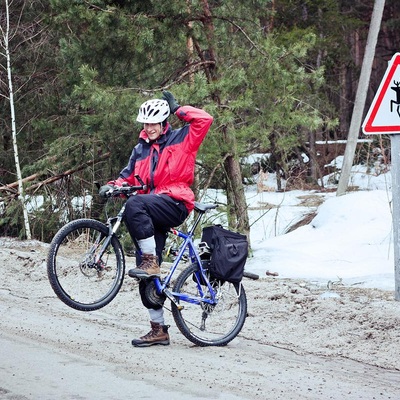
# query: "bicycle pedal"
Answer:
x=142 y=275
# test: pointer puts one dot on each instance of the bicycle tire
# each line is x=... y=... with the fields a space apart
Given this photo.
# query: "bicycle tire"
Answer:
x=76 y=279
x=205 y=324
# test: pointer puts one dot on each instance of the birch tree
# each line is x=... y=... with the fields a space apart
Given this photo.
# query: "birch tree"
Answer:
x=6 y=36
x=361 y=96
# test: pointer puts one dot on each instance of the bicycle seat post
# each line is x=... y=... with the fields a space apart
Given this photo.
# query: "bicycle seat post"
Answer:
x=196 y=222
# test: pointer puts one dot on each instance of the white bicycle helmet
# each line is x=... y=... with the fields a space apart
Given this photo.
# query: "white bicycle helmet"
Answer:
x=153 y=112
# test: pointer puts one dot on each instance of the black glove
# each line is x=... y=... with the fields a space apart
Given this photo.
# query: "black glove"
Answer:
x=104 y=191
x=173 y=104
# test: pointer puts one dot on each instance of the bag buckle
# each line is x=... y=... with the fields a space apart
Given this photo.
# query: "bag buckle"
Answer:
x=203 y=248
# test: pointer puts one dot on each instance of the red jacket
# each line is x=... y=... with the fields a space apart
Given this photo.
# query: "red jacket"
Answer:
x=167 y=165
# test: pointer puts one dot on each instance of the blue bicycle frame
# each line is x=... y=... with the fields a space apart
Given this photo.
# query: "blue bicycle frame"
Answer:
x=162 y=286
x=194 y=257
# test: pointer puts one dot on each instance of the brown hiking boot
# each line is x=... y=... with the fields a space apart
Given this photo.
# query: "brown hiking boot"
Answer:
x=157 y=335
x=148 y=267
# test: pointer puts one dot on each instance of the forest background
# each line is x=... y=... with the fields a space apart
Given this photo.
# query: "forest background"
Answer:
x=279 y=76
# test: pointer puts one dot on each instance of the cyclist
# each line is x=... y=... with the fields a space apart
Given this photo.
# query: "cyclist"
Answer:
x=165 y=159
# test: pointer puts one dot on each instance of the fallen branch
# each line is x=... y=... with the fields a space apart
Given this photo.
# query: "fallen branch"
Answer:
x=12 y=186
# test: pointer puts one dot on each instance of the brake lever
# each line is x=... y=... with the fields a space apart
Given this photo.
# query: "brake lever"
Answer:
x=144 y=186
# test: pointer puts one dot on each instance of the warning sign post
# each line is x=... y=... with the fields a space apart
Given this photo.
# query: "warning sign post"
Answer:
x=395 y=153
x=383 y=117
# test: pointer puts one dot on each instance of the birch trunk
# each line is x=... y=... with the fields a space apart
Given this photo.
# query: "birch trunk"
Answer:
x=361 y=96
x=6 y=35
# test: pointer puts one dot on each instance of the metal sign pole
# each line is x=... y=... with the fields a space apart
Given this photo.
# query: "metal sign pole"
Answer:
x=395 y=152
x=383 y=117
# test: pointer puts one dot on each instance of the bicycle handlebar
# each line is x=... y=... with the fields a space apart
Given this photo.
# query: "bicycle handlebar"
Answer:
x=125 y=189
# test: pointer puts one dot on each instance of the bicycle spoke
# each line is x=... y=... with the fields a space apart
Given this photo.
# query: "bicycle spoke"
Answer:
x=210 y=324
x=81 y=276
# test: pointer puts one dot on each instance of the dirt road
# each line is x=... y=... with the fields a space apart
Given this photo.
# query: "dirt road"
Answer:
x=294 y=345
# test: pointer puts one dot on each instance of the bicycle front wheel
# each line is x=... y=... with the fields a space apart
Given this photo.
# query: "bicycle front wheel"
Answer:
x=206 y=324
x=80 y=276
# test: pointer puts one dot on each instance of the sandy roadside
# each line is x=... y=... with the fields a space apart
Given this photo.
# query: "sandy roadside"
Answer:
x=294 y=345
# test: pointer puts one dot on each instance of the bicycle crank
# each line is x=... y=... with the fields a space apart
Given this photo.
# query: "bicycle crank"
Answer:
x=168 y=293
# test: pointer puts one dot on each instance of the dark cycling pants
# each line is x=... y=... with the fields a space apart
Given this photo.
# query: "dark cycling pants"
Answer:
x=152 y=215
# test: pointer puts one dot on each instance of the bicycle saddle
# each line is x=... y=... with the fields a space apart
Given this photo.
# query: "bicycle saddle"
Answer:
x=203 y=207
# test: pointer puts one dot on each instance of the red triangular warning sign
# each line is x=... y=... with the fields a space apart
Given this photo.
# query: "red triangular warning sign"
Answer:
x=384 y=114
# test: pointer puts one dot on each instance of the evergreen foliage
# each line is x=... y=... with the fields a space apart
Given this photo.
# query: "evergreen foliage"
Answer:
x=276 y=75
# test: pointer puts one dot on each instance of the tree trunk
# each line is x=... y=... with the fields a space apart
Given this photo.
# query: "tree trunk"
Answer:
x=237 y=206
x=236 y=197
x=313 y=158
x=238 y=218
x=361 y=96
x=13 y=125
x=345 y=95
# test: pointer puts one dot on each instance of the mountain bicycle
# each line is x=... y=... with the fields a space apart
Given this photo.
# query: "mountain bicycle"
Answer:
x=86 y=268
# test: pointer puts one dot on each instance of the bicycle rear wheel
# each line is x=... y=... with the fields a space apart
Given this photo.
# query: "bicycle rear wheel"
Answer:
x=77 y=275
x=207 y=324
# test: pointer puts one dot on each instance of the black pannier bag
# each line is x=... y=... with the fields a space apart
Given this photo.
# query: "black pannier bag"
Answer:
x=229 y=252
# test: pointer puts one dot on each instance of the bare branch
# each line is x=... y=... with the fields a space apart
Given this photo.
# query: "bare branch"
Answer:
x=244 y=34
x=190 y=69
x=18 y=23
x=211 y=175
x=12 y=186
x=98 y=8
x=4 y=96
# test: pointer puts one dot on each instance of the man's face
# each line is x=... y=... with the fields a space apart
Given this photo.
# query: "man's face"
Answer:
x=153 y=130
